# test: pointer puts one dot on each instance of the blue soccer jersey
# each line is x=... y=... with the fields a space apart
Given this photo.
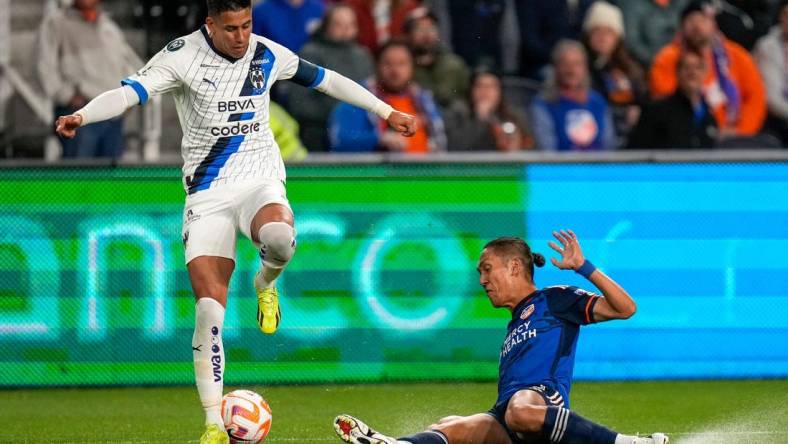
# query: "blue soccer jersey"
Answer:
x=542 y=337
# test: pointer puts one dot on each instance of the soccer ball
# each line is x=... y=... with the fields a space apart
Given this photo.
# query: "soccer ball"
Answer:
x=247 y=417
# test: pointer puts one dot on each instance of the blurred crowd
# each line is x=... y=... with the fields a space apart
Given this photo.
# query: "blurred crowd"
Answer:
x=631 y=74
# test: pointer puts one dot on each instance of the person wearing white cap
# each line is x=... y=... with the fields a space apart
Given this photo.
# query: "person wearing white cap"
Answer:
x=604 y=14
x=615 y=73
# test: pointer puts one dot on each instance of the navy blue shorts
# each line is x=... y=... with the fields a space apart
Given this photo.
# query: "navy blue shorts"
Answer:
x=550 y=395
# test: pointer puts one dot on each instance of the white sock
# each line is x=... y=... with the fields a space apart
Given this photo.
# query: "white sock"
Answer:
x=624 y=439
x=208 y=353
x=266 y=277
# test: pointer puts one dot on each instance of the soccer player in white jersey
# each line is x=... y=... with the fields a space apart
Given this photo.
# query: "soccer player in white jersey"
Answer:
x=220 y=77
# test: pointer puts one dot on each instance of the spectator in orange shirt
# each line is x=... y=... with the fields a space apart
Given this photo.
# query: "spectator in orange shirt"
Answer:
x=733 y=87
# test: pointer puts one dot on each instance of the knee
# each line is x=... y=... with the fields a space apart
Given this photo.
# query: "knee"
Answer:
x=524 y=418
x=456 y=429
x=278 y=243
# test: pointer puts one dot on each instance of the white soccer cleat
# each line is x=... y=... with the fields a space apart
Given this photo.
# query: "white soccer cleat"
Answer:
x=656 y=438
x=353 y=431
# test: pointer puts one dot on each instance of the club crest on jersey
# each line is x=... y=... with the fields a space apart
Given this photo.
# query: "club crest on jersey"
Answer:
x=176 y=45
x=257 y=76
x=529 y=310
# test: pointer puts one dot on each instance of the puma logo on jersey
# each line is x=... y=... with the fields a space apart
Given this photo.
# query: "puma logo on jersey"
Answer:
x=210 y=82
x=232 y=106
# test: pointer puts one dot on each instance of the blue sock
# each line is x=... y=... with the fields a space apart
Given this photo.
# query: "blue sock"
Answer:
x=566 y=427
x=430 y=437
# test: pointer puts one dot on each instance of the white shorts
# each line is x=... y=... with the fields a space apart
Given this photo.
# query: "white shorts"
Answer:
x=211 y=218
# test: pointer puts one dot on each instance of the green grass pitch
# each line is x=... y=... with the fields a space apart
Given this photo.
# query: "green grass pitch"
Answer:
x=693 y=412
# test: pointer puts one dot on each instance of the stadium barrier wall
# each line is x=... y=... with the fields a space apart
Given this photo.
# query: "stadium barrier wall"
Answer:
x=93 y=288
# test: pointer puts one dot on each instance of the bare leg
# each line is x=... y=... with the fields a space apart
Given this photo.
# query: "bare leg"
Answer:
x=529 y=417
x=210 y=277
x=526 y=413
x=270 y=213
x=475 y=429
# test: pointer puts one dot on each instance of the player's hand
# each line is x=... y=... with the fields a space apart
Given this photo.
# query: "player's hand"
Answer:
x=402 y=123
x=66 y=126
x=571 y=254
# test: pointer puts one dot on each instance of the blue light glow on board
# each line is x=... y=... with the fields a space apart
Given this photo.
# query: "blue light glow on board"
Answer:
x=305 y=321
x=701 y=248
x=97 y=235
x=38 y=321
x=452 y=265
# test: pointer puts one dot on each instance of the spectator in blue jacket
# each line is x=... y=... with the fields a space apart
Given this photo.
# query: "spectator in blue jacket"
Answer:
x=569 y=115
x=352 y=129
x=288 y=22
x=334 y=47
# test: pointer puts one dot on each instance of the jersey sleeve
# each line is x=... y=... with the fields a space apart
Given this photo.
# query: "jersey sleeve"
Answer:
x=287 y=61
x=572 y=304
x=160 y=75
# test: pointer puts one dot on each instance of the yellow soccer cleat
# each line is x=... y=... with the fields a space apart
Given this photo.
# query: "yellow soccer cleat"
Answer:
x=268 y=313
x=214 y=435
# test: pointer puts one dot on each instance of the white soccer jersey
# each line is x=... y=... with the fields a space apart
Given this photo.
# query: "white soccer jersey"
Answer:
x=222 y=105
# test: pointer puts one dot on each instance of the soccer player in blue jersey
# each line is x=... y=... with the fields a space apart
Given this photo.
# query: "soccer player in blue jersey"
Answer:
x=221 y=77
x=537 y=356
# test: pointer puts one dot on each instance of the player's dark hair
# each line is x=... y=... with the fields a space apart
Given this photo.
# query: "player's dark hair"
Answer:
x=517 y=248
x=216 y=7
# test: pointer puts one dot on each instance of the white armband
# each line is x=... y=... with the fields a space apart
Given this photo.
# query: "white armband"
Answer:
x=341 y=88
x=109 y=105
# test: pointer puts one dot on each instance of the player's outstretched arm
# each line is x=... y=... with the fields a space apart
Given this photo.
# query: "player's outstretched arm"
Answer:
x=342 y=88
x=106 y=106
x=617 y=303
